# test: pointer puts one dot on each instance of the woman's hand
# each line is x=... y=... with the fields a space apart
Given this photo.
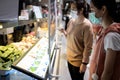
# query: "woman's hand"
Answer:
x=61 y=30
x=82 y=68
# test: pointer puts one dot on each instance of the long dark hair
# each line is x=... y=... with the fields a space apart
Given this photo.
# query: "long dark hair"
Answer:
x=83 y=4
x=112 y=6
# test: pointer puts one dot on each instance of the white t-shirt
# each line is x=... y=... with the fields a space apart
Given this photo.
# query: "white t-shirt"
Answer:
x=112 y=41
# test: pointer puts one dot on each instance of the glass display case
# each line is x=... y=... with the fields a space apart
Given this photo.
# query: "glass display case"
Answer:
x=36 y=60
x=35 y=63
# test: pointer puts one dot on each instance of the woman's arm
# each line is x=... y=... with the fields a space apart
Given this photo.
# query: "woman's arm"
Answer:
x=109 y=64
x=64 y=32
x=69 y=28
x=88 y=42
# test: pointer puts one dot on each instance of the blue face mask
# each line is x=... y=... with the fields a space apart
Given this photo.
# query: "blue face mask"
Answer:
x=93 y=19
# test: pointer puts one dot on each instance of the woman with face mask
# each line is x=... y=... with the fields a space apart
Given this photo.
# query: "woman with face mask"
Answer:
x=96 y=24
x=105 y=59
x=71 y=14
x=73 y=11
x=79 y=41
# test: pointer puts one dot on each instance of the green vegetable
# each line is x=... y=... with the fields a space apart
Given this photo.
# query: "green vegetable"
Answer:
x=8 y=54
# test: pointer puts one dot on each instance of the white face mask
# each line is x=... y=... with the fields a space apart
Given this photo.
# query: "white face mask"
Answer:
x=73 y=13
x=93 y=19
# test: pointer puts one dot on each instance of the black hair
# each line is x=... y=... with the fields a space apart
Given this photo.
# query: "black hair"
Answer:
x=112 y=6
x=83 y=4
x=44 y=6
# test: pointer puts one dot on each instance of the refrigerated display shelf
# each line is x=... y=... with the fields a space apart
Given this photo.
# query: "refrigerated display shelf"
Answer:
x=35 y=63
